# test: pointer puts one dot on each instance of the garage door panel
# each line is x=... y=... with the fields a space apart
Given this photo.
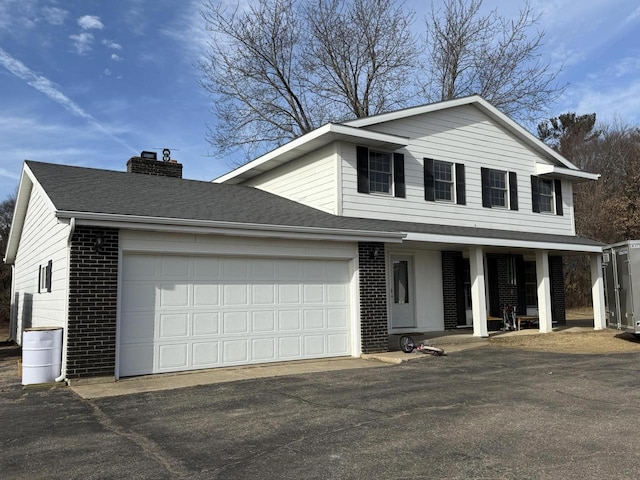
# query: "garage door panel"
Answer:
x=235 y=351
x=289 y=320
x=206 y=354
x=263 y=294
x=173 y=356
x=263 y=349
x=138 y=297
x=234 y=322
x=174 y=295
x=206 y=323
x=206 y=294
x=313 y=320
x=173 y=325
x=180 y=313
x=289 y=294
x=313 y=345
x=235 y=295
x=175 y=267
x=337 y=318
x=338 y=344
x=263 y=322
x=139 y=328
x=289 y=347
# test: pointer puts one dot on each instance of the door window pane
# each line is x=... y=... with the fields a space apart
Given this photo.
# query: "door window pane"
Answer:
x=400 y=281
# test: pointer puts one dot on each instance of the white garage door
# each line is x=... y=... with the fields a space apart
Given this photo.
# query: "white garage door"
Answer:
x=183 y=313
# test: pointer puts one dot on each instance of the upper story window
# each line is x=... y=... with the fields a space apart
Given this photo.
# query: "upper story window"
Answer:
x=499 y=189
x=380 y=172
x=498 y=185
x=546 y=195
x=444 y=181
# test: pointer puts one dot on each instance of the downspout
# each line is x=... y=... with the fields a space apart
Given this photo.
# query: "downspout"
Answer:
x=63 y=369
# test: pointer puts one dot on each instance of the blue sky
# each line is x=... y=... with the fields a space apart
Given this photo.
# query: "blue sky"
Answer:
x=92 y=83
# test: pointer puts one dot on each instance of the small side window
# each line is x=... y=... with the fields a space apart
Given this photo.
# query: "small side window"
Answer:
x=44 y=277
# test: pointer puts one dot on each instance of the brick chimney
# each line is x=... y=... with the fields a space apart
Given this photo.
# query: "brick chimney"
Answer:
x=148 y=163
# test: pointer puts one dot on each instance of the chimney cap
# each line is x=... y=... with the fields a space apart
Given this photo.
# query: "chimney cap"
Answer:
x=149 y=155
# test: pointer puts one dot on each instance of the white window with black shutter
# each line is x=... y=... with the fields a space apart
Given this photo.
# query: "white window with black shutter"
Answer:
x=499 y=189
x=380 y=172
x=444 y=182
x=546 y=195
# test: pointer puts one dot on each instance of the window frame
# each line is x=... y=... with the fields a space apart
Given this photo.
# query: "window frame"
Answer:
x=550 y=197
x=450 y=183
x=373 y=172
x=44 y=277
x=504 y=191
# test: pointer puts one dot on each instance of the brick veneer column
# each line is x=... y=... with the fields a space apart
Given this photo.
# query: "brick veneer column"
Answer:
x=449 y=290
x=557 y=290
x=93 y=291
x=373 y=298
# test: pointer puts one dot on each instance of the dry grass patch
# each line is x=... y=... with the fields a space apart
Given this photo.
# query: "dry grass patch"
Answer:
x=602 y=341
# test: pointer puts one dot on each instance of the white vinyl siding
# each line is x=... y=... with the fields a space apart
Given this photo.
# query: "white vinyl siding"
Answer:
x=310 y=179
x=459 y=135
x=43 y=239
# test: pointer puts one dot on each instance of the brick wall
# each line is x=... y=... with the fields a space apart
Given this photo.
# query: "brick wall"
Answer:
x=93 y=289
x=373 y=298
x=154 y=167
x=507 y=292
x=557 y=290
x=449 y=290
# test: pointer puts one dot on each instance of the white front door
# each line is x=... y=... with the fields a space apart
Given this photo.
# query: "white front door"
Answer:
x=402 y=292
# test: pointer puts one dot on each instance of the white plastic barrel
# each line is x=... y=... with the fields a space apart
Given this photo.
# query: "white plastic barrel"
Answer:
x=41 y=354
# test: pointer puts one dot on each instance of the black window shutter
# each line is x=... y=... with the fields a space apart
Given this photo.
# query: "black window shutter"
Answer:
x=521 y=281
x=399 y=189
x=429 y=182
x=459 y=264
x=493 y=287
x=49 y=269
x=486 y=188
x=558 y=190
x=461 y=198
x=362 y=155
x=513 y=191
x=39 y=278
x=535 y=194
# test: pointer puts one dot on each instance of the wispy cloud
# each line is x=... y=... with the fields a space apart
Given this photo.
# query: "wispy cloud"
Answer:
x=115 y=58
x=90 y=22
x=83 y=42
x=48 y=88
x=54 y=15
x=111 y=44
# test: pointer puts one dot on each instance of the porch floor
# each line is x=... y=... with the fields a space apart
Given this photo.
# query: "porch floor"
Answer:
x=463 y=336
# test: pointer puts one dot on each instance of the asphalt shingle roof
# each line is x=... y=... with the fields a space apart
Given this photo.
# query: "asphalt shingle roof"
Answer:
x=90 y=190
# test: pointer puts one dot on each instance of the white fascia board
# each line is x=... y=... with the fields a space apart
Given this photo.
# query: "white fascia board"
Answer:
x=560 y=172
x=321 y=136
x=27 y=180
x=179 y=225
x=479 y=103
x=501 y=242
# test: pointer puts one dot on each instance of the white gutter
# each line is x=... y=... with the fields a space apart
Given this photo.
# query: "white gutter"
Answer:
x=501 y=242
x=228 y=228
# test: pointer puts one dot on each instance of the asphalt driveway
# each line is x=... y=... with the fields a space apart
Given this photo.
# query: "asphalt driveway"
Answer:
x=485 y=413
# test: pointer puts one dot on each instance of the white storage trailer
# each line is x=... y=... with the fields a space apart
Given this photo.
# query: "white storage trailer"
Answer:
x=621 y=265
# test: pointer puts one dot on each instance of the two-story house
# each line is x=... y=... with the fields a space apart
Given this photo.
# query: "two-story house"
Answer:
x=424 y=219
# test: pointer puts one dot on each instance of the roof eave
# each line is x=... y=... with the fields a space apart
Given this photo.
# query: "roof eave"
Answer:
x=553 y=171
x=25 y=187
x=228 y=228
x=318 y=138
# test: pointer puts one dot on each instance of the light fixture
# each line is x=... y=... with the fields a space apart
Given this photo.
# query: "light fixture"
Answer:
x=99 y=243
x=376 y=252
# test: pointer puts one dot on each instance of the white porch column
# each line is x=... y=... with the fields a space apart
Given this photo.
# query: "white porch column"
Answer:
x=597 y=292
x=478 y=295
x=544 y=291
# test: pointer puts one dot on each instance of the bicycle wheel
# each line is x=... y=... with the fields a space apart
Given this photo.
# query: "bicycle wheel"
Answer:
x=406 y=344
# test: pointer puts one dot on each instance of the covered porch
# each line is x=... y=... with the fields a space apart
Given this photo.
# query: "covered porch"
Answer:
x=475 y=278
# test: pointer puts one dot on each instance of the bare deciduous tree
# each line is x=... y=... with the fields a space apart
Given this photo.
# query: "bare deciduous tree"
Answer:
x=490 y=55
x=6 y=215
x=281 y=68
